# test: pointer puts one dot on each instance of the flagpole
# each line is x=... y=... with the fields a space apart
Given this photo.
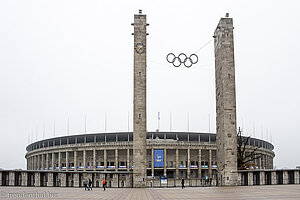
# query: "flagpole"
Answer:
x=128 y=121
x=158 y=118
x=54 y=128
x=105 y=122
x=188 y=121
x=170 y=122
x=208 y=123
x=84 y=123
x=68 y=126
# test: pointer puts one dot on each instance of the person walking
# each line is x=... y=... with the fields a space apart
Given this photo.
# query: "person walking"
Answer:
x=182 y=183
x=85 y=184
x=90 y=184
x=104 y=184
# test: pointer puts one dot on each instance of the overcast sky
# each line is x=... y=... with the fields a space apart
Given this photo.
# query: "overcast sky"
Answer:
x=70 y=59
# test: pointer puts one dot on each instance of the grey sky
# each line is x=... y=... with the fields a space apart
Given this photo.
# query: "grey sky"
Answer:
x=67 y=59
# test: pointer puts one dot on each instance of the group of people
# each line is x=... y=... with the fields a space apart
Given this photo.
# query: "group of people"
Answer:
x=88 y=184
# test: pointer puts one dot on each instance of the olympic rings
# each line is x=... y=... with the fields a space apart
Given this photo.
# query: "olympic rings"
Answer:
x=182 y=58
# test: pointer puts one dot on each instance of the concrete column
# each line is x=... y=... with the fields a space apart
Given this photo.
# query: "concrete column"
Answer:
x=63 y=179
x=199 y=164
x=128 y=180
x=67 y=161
x=115 y=181
x=43 y=162
x=152 y=162
x=128 y=156
x=75 y=160
x=116 y=160
x=37 y=179
x=259 y=161
x=226 y=139
x=47 y=161
x=189 y=163
x=273 y=178
x=59 y=161
x=52 y=164
x=11 y=178
x=105 y=160
x=76 y=180
x=209 y=165
x=139 y=102
x=165 y=162
x=0 y=178
x=250 y=178
x=296 y=177
x=177 y=163
x=24 y=178
x=94 y=159
x=285 y=177
x=262 y=178
x=50 y=180
x=38 y=162
x=84 y=160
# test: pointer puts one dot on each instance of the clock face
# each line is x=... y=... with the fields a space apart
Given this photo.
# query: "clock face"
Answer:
x=140 y=48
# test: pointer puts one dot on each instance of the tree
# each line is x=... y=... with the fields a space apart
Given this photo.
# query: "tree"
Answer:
x=245 y=159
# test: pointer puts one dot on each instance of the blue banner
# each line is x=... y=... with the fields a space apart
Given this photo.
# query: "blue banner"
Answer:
x=158 y=158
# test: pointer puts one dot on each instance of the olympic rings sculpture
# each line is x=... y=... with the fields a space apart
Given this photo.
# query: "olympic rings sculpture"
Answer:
x=182 y=59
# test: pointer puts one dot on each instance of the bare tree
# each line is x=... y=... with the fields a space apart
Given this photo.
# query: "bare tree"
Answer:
x=245 y=158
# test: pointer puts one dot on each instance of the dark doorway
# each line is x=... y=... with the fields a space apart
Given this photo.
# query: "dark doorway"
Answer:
x=30 y=179
x=245 y=178
x=18 y=179
x=279 y=177
x=256 y=178
x=5 y=179
x=291 y=177
x=268 y=178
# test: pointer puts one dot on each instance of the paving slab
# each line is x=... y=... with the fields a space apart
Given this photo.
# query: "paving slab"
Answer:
x=273 y=192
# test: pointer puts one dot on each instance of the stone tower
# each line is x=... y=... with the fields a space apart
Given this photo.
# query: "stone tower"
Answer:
x=225 y=103
x=139 y=101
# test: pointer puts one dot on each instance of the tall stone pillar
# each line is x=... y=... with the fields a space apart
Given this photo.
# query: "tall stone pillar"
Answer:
x=139 y=101
x=226 y=140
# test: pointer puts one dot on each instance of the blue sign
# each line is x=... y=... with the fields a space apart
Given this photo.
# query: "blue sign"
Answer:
x=158 y=158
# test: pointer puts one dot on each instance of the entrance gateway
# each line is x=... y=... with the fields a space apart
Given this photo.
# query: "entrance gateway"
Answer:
x=226 y=140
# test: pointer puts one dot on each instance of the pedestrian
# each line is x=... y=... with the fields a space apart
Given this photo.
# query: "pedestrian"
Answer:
x=85 y=184
x=182 y=183
x=90 y=184
x=104 y=184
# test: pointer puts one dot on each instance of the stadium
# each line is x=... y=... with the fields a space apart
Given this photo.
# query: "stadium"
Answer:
x=169 y=154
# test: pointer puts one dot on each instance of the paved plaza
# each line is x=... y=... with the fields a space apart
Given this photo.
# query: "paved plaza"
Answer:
x=241 y=192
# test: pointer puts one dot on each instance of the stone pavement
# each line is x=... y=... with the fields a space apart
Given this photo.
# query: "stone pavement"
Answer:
x=242 y=192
